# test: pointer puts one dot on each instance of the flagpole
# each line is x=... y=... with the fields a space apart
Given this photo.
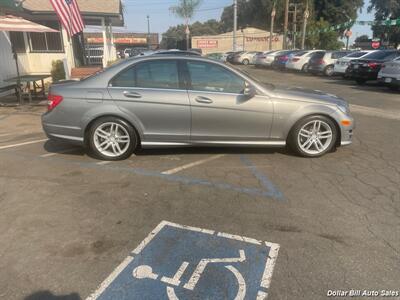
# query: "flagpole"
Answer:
x=70 y=32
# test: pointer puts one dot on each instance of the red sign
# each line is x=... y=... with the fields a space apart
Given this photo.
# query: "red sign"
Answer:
x=375 y=44
x=122 y=40
x=206 y=44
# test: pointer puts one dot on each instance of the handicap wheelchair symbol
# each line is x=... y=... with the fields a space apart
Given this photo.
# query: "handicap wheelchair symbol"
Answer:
x=146 y=272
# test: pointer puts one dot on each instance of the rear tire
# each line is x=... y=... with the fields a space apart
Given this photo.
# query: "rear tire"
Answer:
x=245 y=62
x=305 y=68
x=112 y=139
x=329 y=70
x=313 y=136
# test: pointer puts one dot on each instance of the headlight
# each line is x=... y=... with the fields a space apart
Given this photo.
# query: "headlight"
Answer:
x=344 y=108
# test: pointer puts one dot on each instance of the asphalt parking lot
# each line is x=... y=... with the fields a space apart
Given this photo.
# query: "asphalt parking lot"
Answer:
x=68 y=220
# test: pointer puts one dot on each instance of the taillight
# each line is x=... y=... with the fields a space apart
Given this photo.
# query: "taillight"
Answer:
x=284 y=58
x=294 y=59
x=383 y=66
x=53 y=101
x=262 y=57
x=320 y=62
x=373 y=65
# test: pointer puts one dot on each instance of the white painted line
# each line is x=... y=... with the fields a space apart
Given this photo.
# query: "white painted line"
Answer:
x=102 y=163
x=22 y=144
x=269 y=267
x=176 y=280
x=58 y=152
x=5 y=134
x=193 y=164
x=239 y=238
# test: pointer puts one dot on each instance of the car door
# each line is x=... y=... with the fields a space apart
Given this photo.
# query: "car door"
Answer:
x=152 y=92
x=220 y=110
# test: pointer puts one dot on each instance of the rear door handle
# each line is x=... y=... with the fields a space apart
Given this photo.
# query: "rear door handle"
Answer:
x=132 y=94
x=202 y=99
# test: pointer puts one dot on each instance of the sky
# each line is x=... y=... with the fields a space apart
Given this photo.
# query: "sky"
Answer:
x=161 y=18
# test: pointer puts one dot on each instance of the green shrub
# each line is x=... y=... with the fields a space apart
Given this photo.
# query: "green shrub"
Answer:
x=57 y=70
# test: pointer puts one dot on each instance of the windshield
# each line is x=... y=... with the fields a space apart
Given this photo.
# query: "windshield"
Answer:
x=379 y=55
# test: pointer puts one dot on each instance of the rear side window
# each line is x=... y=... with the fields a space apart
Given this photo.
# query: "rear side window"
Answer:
x=336 y=55
x=161 y=74
x=319 y=54
x=213 y=78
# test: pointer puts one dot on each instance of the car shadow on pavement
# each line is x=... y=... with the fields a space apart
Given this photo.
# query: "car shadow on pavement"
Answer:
x=47 y=295
x=54 y=146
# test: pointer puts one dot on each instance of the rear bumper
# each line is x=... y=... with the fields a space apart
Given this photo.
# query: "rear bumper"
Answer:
x=389 y=80
x=361 y=74
x=69 y=134
x=316 y=68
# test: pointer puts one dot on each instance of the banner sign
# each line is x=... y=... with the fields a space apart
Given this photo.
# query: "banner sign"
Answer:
x=207 y=44
x=123 y=40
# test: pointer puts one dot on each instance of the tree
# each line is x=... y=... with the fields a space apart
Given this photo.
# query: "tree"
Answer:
x=386 y=9
x=327 y=40
x=362 y=39
x=175 y=34
x=185 y=10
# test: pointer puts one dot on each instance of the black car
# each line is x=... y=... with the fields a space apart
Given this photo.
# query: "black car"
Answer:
x=230 y=58
x=367 y=68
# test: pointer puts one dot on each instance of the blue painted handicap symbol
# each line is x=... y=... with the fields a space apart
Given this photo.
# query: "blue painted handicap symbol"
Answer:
x=180 y=262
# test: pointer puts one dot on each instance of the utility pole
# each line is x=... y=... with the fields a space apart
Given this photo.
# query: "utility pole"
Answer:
x=306 y=16
x=148 y=32
x=271 y=31
x=234 y=25
x=285 y=26
x=294 y=25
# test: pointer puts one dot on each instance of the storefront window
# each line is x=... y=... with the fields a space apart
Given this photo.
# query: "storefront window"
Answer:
x=47 y=42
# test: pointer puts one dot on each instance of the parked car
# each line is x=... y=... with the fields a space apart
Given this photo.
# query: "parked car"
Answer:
x=390 y=74
x=281 y=59
x=231 y=57
x=323 y=62
x=343 y=63
x=245 y=58
x=216 y=56
x=150 y=102
x=177 y=52
x=299 y=61
x=261 y=59
x=269 y=58
x=367 y=68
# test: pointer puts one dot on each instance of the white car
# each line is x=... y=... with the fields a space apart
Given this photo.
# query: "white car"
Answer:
x=342 y=64
x=390 y=74
x=299 y=61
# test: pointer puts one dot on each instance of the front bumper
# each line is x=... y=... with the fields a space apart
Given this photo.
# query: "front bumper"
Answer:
x=389 y=80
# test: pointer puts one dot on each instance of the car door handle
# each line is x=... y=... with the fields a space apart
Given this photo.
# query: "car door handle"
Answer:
x=132 y=94
x=201 y=99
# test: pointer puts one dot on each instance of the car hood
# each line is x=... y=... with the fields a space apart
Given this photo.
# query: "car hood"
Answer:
x=301 y=94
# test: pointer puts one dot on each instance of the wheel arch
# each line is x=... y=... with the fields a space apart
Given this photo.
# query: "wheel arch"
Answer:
x=113 y=115
x=335 y=122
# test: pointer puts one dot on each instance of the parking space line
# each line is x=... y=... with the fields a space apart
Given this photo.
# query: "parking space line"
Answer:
x=5 y=134
x=191 y=165
x=22 y=144
x=102 y=163
x=58 y=152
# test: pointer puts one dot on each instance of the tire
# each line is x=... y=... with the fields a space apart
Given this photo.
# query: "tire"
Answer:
x=329 y=70
x=305 y=68
x=361 y=81
x=112 y=131
x=245 y=62
x=306 y=144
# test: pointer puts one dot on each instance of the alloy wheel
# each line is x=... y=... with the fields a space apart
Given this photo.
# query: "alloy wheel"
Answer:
x=111 y=139
x=315 y=137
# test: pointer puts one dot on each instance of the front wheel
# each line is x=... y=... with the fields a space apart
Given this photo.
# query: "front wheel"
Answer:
x=245 y=62
x=313 y=136
x=305 y=68
x=111 y=138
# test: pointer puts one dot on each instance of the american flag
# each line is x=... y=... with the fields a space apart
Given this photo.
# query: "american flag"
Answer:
x=69 y=14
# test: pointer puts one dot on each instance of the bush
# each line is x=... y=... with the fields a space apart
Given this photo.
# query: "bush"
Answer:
x=57 y=70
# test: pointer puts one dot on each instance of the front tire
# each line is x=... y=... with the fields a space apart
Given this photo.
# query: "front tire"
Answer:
x=313 y=136
x=245 y=62
x=112 y=139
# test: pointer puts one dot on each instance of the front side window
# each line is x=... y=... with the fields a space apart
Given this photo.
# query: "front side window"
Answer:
x=213 y=78
x=153 y=74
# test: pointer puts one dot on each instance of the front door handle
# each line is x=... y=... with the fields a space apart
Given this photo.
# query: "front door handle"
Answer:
x=202 y=99
x=132 y=94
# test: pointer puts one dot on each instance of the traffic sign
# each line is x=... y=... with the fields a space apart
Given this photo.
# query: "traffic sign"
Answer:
x=180 y=262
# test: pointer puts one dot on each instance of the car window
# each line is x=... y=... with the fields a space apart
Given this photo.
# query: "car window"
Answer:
x=379 y=55
x=154 y=74
x=336 y=55
x=356 y=54
x=213 y=78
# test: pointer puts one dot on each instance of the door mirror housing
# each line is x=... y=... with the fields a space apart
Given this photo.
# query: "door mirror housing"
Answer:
x=249 y=90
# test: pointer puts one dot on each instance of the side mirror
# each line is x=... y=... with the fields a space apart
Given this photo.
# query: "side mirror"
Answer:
x=249 y=90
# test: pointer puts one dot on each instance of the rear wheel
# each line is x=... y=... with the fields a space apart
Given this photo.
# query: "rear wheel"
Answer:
x=111 y=138
x=329 y=71
x=361 y=81
x=313 y=136
x=305 y=68
x=245 y=62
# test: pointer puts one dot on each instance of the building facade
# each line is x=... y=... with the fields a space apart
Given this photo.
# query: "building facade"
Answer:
x=247 y=39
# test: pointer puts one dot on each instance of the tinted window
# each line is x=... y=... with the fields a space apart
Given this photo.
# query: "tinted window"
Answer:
x=336 y=55
x=379 y=55
x=213 y=78
x=319 y=54
x=357 y=54
x=301 y=53
x=154 y=74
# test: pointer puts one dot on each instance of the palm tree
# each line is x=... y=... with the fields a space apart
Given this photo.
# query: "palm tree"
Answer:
x=185 y=10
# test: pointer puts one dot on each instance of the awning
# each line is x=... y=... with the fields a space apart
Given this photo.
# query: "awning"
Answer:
x=12 y=23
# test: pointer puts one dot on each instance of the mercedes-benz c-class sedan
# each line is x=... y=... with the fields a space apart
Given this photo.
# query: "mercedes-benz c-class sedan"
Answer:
x=164 y=101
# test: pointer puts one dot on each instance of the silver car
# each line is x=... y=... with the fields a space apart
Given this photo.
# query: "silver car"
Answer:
x=170 y=100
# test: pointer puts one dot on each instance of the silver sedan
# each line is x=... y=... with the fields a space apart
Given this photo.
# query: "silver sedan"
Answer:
x=164 y=101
